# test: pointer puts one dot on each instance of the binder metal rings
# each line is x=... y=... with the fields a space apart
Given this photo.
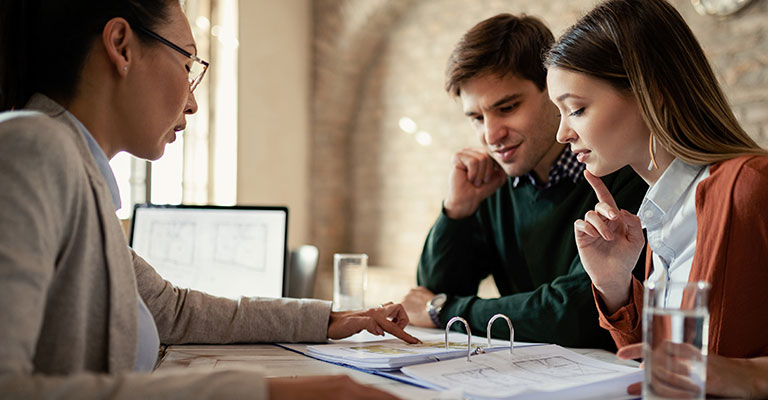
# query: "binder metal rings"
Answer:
x=488 y=330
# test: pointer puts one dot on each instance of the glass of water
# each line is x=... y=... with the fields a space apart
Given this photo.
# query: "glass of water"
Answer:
x=675 y=340
x=349 y=281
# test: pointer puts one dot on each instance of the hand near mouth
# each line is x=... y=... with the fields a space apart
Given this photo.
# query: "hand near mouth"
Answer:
x=474 y=177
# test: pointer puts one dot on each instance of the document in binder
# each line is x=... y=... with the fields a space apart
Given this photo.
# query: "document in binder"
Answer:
x=392 y=354
x=534 y=372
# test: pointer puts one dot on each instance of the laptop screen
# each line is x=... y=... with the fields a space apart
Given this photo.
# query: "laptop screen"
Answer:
x=224 y=251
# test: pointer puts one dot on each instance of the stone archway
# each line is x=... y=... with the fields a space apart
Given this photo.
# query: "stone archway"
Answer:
x=347 y=35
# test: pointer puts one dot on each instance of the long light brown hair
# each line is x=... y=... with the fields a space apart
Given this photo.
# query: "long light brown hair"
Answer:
x=645 y=47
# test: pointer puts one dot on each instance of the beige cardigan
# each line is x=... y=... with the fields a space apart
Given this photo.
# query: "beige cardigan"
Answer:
x=68 y=283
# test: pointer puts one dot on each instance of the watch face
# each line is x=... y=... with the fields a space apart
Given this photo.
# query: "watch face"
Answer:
x=719 y=7
x=438 y=300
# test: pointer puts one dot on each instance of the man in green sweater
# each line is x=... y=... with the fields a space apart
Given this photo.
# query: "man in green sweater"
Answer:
x=511 y=204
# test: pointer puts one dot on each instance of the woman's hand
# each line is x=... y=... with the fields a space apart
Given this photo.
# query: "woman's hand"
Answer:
x=389 y=317
x=726 y=376
x=609 y=242
x=670 y=371
x=323 y=387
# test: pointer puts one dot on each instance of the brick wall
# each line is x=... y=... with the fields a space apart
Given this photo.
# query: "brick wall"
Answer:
x=376 y=188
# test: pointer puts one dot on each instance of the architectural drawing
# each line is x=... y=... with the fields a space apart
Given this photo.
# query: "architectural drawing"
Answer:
x=242 y=245
x=546 y=370
x=534 y=371
x=223 y=251
x=172 y=242
x=560 y=367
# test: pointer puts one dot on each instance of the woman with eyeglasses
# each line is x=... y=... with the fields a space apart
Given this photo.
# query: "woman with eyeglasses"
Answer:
x=81 y=315
x=634 y=88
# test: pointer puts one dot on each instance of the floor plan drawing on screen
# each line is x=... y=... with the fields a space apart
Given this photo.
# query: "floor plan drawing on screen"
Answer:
x=243 y=245
x=174 y=242
x=223 y=251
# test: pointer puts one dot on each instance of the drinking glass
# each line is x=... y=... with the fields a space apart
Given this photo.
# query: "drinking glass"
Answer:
x=349 y=281
x=675 y=340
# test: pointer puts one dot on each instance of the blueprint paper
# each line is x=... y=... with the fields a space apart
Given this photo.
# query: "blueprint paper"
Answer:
x=548 y=371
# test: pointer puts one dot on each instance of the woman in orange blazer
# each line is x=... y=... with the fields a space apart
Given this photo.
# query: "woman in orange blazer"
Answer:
x=634 y=88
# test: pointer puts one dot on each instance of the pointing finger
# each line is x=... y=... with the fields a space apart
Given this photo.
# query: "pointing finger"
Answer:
x=392 y=328
x=602 y=192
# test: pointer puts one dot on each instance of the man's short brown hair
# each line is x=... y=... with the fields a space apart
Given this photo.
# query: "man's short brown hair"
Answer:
x=501 y=45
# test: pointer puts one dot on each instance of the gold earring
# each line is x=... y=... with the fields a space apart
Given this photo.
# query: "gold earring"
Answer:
x=652 y=150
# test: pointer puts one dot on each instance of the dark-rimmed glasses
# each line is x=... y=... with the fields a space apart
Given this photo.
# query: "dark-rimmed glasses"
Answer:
x=198 y=67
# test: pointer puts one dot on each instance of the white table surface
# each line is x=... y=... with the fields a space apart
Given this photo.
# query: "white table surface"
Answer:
x=274 y=361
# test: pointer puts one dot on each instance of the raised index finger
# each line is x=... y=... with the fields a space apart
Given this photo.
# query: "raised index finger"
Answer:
x=602 y=192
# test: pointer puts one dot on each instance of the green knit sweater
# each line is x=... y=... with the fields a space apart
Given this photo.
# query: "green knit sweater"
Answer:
x=524 y=237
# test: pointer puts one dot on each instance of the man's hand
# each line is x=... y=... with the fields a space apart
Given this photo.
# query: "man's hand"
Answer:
x=389 y=317
x=322 y=387
x=415 y=304
x=474 y=176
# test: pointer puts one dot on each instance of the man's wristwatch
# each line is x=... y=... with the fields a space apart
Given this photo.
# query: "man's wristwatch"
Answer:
x=434 y=306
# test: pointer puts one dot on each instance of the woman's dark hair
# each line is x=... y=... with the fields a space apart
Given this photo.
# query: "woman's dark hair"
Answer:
x=43 y=43
x=501 y=45
x=645 y=48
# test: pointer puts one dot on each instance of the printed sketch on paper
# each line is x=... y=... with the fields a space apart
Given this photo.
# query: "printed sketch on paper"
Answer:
x=560 y=367
x=526 y=372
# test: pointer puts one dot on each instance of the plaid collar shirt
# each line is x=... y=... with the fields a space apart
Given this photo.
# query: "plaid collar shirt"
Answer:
x=566 y=166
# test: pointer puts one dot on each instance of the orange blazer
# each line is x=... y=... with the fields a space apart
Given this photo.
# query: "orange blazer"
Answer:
x=731 y=254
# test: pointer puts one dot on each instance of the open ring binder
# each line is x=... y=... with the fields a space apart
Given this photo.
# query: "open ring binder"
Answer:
x=488 y=330
x=511 y=330
x=469 y=334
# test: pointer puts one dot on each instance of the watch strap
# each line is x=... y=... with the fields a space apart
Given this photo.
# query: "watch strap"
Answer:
x=434 y=314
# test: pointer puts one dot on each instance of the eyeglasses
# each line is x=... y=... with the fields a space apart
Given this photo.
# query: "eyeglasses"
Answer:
x=198 y=67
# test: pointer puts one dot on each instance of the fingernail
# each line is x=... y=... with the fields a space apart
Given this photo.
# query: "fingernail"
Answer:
x=612 y=214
